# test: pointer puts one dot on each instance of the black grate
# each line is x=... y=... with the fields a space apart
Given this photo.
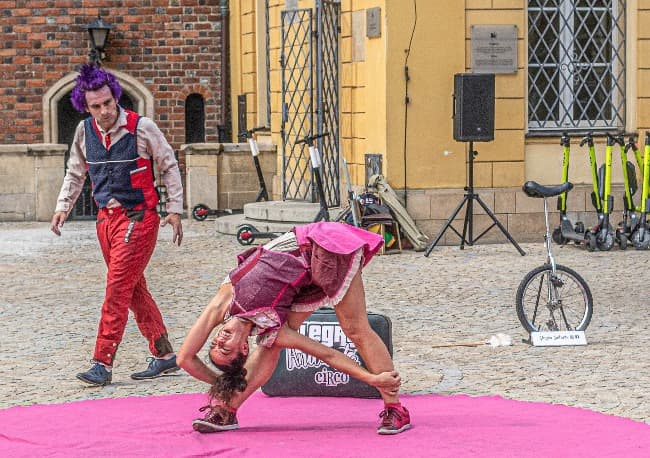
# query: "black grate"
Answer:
x=576 y=64
x=297 y=103
x=327 y=101
x=302 y=117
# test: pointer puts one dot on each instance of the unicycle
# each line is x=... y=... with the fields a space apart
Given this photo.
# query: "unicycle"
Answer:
x=552 y=297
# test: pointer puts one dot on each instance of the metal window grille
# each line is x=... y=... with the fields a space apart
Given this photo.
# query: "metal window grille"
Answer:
x=327 y=95
x=576 y=64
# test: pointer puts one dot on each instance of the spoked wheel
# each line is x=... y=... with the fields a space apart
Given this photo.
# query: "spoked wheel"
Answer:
x=554 y=302
x=641 y=239
x=246 y=234
x=200 y=212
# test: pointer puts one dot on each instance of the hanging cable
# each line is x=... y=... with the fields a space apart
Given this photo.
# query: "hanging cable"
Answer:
x=407 y=78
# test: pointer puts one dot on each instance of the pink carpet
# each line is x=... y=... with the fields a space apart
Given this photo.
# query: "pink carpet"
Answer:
x=159 y=426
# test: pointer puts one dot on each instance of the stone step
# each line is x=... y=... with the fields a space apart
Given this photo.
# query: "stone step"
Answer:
x=273 y=216
x=282 y=211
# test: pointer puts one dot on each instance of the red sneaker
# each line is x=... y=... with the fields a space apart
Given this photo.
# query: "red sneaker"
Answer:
x=394 y=420
x=218 y=418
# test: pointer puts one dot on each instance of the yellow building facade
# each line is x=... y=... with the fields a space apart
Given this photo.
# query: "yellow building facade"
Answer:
x=396 y=83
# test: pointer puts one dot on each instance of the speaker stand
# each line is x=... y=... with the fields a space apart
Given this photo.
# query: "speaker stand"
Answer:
x=467 y=237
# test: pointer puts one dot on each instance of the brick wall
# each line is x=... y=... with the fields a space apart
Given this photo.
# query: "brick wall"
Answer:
x=173 y=47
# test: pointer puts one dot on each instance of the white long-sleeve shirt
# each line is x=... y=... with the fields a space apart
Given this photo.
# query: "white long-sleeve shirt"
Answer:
x=151 y=143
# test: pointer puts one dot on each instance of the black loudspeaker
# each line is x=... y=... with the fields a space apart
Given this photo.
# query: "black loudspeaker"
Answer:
x=474 y=107
x=299 y=374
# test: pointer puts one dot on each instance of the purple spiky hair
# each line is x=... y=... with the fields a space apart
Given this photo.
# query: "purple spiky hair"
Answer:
x=91 y=77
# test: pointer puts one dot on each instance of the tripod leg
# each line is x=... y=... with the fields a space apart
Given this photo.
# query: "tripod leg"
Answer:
x=500 y=226
x=468 y=224
x=446 y=226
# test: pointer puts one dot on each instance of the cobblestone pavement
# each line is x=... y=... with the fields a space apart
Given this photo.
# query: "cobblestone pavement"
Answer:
x=51 y=289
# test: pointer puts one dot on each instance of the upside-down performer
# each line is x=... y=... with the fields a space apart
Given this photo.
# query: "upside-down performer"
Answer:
x=273 y=289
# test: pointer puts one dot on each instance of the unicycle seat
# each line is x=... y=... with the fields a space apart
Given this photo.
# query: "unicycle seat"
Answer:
x=534 y=189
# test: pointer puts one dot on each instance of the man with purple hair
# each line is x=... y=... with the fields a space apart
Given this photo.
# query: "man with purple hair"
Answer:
x=118 y=149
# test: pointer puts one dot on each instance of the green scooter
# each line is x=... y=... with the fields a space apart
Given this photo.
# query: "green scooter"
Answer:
x=567 y=231
x=630 y=221
x=601 y=236
x=641 y=232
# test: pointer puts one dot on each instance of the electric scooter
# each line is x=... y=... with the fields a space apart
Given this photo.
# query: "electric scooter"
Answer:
x=630 y=220
x=316 y=166
x=255 y=152
x=641 y=233
x=201 y=211
x=566 y=231
x=247 y=233
x=601 y=236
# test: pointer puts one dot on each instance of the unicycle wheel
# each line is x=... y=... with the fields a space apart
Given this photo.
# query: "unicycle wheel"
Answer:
x=559 y=301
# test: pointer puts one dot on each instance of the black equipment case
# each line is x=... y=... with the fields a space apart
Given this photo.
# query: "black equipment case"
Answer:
x=299 y=374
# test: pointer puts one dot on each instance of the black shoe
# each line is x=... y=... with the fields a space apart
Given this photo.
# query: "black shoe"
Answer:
x=157 y=367
x=97 y=375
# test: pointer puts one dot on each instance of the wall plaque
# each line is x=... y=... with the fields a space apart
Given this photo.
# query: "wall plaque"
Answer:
x=373 y=22
x=494 y=48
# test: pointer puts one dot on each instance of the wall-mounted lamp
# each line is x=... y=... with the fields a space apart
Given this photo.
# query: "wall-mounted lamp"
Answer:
x=98 y=31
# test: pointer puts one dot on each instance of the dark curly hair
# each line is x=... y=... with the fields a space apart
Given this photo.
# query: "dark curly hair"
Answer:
x=231 y=380
x=92 y=77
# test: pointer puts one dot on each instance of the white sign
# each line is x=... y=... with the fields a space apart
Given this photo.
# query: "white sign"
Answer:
x=558 y=338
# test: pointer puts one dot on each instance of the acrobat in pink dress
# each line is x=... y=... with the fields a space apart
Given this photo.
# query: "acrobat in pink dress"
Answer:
x=309 y=268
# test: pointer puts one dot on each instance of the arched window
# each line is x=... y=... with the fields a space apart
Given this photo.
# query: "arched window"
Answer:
x=194 y=119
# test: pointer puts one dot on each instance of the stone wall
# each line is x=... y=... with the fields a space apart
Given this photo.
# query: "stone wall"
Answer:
x=30 y=179
x=223 y=175
x=522 y=216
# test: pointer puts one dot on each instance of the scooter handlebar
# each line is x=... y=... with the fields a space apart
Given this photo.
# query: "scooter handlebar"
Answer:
x=565 y=140
x=589 y=139
x=249 y=133
x=631 y=144
x=310 y=138
x=613 y=139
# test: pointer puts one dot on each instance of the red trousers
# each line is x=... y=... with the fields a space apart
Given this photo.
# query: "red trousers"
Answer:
x=126 y=287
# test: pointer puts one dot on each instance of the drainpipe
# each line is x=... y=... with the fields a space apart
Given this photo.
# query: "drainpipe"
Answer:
x=224 y=125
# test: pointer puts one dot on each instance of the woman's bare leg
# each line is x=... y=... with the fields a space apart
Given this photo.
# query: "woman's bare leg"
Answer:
x=352 y=315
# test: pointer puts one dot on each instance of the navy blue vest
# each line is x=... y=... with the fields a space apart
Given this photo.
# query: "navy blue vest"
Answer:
x=112 y=171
